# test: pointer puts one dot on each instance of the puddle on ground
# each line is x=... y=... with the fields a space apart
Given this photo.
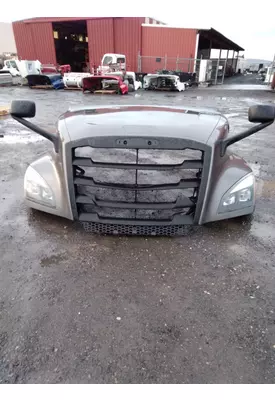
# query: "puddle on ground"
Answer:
x=243 y=87
x=256 y=169
x=265 y=188
x=239 y=249
x=20 y=139
x=263 y=231
x=52 y=260
x=232 y=115
x=249 y=100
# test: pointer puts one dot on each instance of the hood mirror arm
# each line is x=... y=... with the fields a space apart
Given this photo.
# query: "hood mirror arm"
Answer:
x=47 y=135
x=240 y=136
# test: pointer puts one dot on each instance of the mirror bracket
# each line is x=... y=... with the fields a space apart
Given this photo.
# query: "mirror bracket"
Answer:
x=47 y=135
x=236 y=138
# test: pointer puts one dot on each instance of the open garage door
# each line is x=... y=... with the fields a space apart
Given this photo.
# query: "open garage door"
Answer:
x=71 y=44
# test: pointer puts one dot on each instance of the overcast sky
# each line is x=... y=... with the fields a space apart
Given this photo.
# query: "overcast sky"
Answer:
x=252 y=26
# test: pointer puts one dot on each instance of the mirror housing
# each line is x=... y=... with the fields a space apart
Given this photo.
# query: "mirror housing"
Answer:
x=23 y=109
x=261 y=114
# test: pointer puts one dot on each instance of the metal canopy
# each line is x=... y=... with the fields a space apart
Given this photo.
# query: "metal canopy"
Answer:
x=217 y=40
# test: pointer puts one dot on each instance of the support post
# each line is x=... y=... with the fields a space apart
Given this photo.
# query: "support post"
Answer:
x=210 y=49
x=233 y=62
x=195 y=65
x=217 y=70
x=272 y=71
x=225 y=65
x=139 y=62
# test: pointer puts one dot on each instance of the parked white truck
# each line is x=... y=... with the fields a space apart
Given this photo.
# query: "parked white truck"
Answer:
x=22 y=68
x=11 y=67
x=112 y=62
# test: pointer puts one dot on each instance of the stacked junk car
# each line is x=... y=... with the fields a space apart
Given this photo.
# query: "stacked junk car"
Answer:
x=141 y=170
x=110 y=77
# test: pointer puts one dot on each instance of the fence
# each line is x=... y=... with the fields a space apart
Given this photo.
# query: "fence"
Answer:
x=150 y=64
x=217 y=69
x=220 y=69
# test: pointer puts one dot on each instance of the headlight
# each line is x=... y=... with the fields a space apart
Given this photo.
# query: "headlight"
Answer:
x=240 y=196
x=36 y=189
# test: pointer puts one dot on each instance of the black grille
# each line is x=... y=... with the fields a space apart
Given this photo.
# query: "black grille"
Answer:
x=136 y=191
x=136 y=230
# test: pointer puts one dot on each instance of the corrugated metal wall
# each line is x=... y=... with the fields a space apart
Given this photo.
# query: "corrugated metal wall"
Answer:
x=35 y=41
x=127 y=35
x=159 y=41
x=115 y=35
x=23 y=39
x=43 y=41
x=101 y=39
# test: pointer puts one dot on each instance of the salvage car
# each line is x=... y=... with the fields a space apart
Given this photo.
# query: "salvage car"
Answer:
x=129 y=78
x=55 y=69
x=163 y=82
x=49 y=81
x=5 y=78
x=101 y=84
x=141 y=170
x=74 y=79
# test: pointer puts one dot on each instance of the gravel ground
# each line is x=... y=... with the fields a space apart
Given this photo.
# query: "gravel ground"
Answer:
x=79 y=308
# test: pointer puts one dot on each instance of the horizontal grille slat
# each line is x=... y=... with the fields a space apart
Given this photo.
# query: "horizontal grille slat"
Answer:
x=183 y=184
x=179 y=203
x=88 y=162
x=176 y=219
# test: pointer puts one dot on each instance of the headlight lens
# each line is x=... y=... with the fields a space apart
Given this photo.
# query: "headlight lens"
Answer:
x=229 y=200
x=36 y=189
x=240 y=196
x=245 y=195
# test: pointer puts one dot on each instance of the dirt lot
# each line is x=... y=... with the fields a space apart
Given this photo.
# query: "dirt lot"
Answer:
x=81 y=308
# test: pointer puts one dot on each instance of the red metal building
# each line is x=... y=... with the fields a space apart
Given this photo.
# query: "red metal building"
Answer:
x=39 y=38
x=35 y=38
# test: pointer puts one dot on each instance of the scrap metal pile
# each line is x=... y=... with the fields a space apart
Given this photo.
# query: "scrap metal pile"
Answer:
x=104 y=84
x=111 y=77
x=163 y=82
